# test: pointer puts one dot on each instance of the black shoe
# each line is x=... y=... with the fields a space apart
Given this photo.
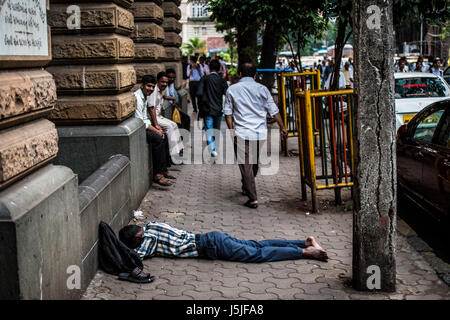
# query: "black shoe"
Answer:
x=251 y=205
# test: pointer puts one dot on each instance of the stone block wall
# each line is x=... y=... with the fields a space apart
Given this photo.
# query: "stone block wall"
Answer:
x=92 y=62
x=27 y=95
x=172 y=39
x=148 y=37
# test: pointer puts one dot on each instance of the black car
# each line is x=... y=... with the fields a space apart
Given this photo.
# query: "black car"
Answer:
x=447 y=75
x=423 y=160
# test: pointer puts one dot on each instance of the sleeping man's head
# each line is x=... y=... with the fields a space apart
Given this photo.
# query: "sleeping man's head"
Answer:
x=131 y=236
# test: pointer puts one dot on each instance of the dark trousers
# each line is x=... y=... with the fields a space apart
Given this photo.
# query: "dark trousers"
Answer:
x=218 y=245
x=160 y=152
x=247 y=155
x=193 y=87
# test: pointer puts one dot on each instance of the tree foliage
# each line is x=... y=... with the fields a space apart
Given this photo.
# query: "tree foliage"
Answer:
x=194 y=46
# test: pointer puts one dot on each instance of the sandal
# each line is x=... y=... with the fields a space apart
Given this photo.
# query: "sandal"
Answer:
x=251 y=205
x=136 y=276
x=169 y=176
x=162 y=181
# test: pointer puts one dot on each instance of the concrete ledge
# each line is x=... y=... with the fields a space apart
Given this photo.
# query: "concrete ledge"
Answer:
x=84 y=149
x=103 y=196
x=40 y=235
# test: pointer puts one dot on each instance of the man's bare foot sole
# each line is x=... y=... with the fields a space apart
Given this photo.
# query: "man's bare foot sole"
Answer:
x=310 y=241
x=317 y=254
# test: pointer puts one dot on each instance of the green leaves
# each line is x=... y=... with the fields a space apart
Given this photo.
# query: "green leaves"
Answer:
x=194 y=45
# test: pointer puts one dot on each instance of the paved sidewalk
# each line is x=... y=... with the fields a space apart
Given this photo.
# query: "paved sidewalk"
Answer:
x=207 y=197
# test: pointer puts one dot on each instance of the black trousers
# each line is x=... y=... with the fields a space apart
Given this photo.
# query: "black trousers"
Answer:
x=193 y=87
x=160 y=152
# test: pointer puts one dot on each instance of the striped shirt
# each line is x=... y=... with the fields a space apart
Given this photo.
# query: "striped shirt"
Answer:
x=160 y=239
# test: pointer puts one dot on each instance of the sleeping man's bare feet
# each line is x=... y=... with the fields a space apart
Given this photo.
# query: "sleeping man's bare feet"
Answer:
x=310 y=241
x=314 y=253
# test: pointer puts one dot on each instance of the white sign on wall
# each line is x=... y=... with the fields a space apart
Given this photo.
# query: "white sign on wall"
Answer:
x=23 y=28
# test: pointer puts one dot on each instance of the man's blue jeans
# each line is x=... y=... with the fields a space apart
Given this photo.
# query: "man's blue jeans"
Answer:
x=218 y=245
x=212 y=122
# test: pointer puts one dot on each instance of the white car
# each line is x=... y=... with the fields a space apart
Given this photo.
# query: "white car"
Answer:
x=414 y=91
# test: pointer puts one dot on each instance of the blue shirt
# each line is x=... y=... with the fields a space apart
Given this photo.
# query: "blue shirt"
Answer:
x=195 y=76
x=161 y=239
x=249 y=102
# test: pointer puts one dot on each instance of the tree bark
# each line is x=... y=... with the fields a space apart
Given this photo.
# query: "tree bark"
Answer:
x=375 y=191
x=247 y=47
x=271 y=42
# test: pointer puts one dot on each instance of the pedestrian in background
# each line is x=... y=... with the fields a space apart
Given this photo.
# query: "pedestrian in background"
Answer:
x=195 y=73
x=436 y=67
x=205 y=67
x=213 y=87
x=176 y=99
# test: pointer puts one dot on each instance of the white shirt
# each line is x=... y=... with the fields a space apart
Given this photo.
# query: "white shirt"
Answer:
x=342 y=83
x=141 y=109
x=156 y=100
x=249 y=102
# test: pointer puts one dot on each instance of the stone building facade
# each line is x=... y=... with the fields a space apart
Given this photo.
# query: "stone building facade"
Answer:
x=71 y=152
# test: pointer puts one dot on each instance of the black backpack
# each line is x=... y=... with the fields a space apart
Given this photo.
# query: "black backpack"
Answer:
x=114 y=256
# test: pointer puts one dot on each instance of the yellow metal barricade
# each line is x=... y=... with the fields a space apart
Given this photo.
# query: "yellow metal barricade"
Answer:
x=325 y=139
x=288 y=83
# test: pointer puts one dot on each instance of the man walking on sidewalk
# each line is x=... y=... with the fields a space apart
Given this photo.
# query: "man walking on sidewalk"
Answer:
x=246 y=106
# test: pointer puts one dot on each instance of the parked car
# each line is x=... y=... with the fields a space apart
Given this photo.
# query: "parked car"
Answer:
x=414 y=91
x=447 y=75
x=423 y=160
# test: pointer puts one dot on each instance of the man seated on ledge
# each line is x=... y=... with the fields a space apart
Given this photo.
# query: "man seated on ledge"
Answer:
x=161 y=239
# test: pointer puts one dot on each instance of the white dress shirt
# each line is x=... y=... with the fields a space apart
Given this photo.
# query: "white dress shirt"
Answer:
x=156 y=100
x=141 y=110
x=249 y=102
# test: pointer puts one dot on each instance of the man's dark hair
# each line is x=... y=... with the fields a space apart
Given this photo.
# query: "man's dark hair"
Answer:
x=128 y=234
x=160 y=75
x=214 y=65
x=170 y=70
x=148 y=79
x=193 y=58
x=247 y=69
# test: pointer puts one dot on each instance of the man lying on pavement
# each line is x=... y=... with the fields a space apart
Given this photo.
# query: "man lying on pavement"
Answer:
x=161 y=239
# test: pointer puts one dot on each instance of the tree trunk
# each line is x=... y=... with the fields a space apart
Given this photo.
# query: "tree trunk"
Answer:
x=338 y=49
x=271 y=41
x=247 y=47
x=375 y=189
